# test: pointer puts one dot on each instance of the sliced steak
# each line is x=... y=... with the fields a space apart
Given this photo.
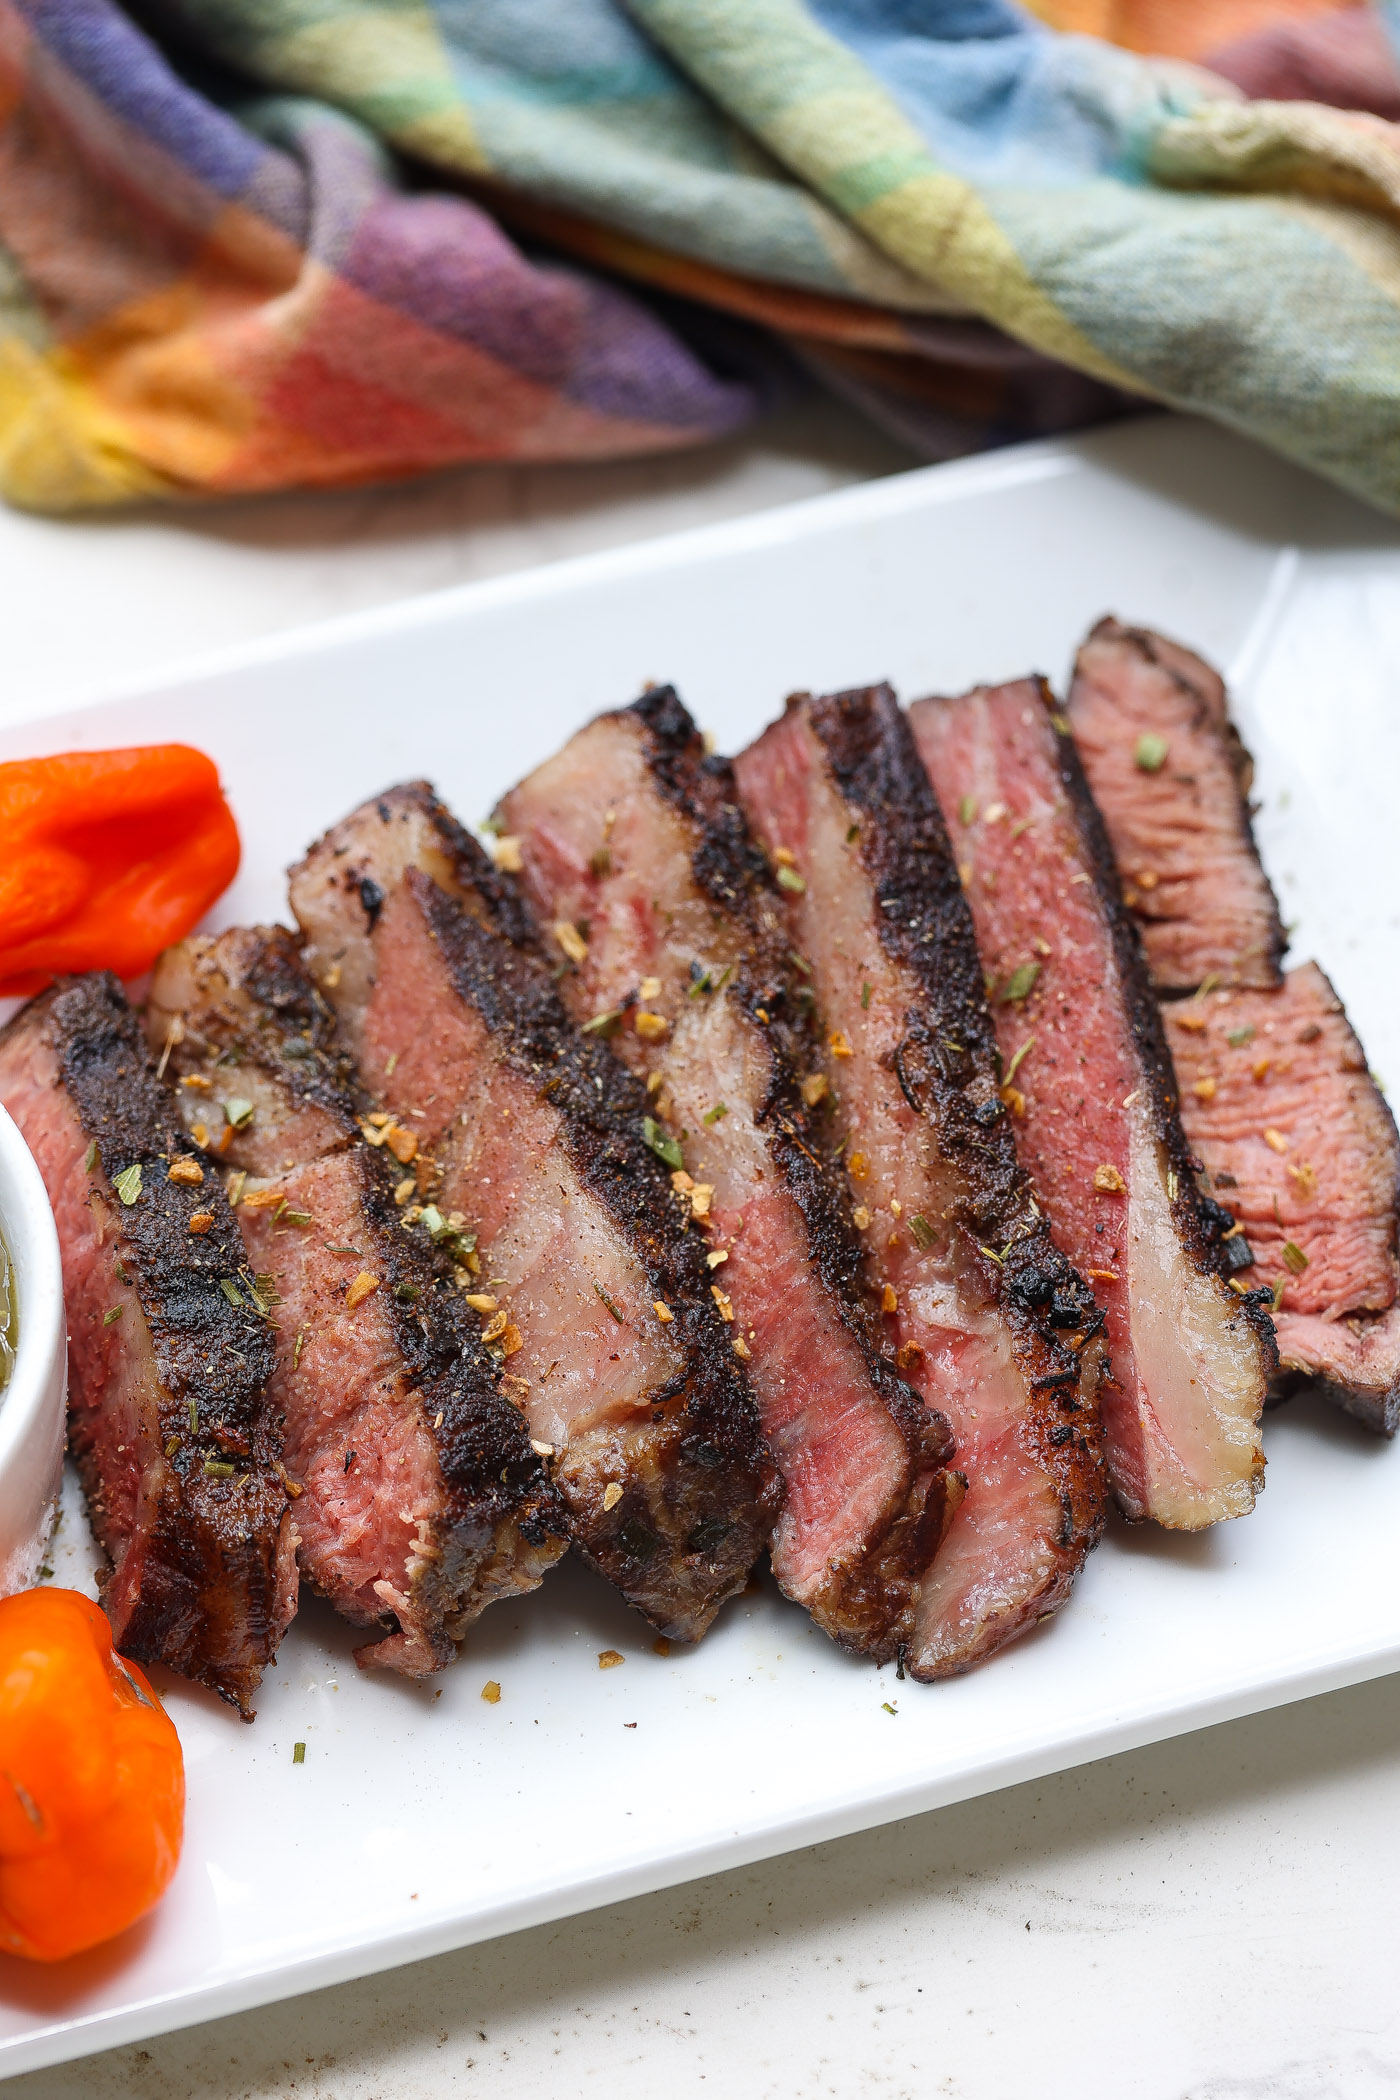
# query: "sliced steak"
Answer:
x=1171 y=777
x=1335 y=1323
x=419 y=1497
x=594 y=1287
x=635 y=850
x=169 y=1357
x=1300 y=1144
x=999 y=1333
x=1091 y=1086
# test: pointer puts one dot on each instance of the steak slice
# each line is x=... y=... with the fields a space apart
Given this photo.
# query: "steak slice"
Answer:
x=1298 y=1140
x=419 y=1498
x=169 y=1359
x=592 y=1283
x=632 y=833
x=999 y=1333
x=1337 y=1331
x=1170 y=775
x=1093 y=1092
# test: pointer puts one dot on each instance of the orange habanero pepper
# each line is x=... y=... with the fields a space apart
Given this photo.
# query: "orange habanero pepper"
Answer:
x=92 y=1782
x=108 y=857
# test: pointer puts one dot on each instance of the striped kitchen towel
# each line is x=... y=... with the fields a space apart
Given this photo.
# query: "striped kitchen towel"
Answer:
x=316 y=241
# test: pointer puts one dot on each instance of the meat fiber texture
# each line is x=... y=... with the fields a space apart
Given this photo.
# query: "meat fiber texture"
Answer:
x=1171 y=777
x=1090 y=1083
x=419 y=1497
x=1217 y=931
x=169 y=1421
x=999 y=1333
x=592 y=1283
x=635 y=853
x=1299 y=1142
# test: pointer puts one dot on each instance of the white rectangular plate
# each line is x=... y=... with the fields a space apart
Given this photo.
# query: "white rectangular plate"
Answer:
x=423 y=1819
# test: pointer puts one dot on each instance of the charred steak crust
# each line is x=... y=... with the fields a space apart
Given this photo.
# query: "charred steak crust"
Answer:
x=1201 y=1222
x=212 y=1554
x=497 y=1487
x=925 y=927
x=732 y=870
x=712 y=1483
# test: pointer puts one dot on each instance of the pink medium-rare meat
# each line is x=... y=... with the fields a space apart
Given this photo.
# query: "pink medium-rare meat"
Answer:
x=419 y=1497
x=635 y=852
x=1299 y=1142
x=1094 y=1097
x=169 y=1358
x=1000 y=1334
x=1344 y=1336
x=1170 y=776
x=535 y=1133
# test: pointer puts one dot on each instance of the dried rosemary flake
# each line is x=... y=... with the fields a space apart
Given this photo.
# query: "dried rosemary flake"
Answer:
x=612 y=1495
x=992 y=1255
x=231 y=1292
x=1109 y=1181
x=128 y=1184
x=90 y=1157
x=1015 y=1065
x=112 y=1315
x=194 y=1418
x=1150 y=753
x=1279 y=1288
x=1059 y=722
x=665 y=1148
x=238 y=1113
x=852 y=834
x=613 y=1309
x=921 y=1232
x=236 y=1184
x=1238 y=1037
x=967 y=810
x=298 y=1753
x=713 y=1115
x=1019 y=984
x=219 y=1469
x=865 y=992
x=789 y=879
x=1295 y=1257
x=1172 y=1185
x=600 y=863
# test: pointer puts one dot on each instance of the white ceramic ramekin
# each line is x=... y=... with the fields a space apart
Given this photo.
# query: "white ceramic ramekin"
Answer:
x=32 y=1404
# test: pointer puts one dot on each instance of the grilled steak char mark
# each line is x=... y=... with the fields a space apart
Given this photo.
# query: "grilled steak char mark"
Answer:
x=1002 y=1336
x=169 y=1422
x=1171 y=777
x=633 y=834
x=1095 y=1101
x=1300 y=1143
x=535 y=1133
x=1329 y=1167
x=420 y=1498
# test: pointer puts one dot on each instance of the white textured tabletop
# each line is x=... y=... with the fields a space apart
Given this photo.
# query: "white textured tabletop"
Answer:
x=1211 y=1919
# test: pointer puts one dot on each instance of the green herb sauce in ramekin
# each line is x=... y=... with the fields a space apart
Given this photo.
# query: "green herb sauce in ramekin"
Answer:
x=9 y=1318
